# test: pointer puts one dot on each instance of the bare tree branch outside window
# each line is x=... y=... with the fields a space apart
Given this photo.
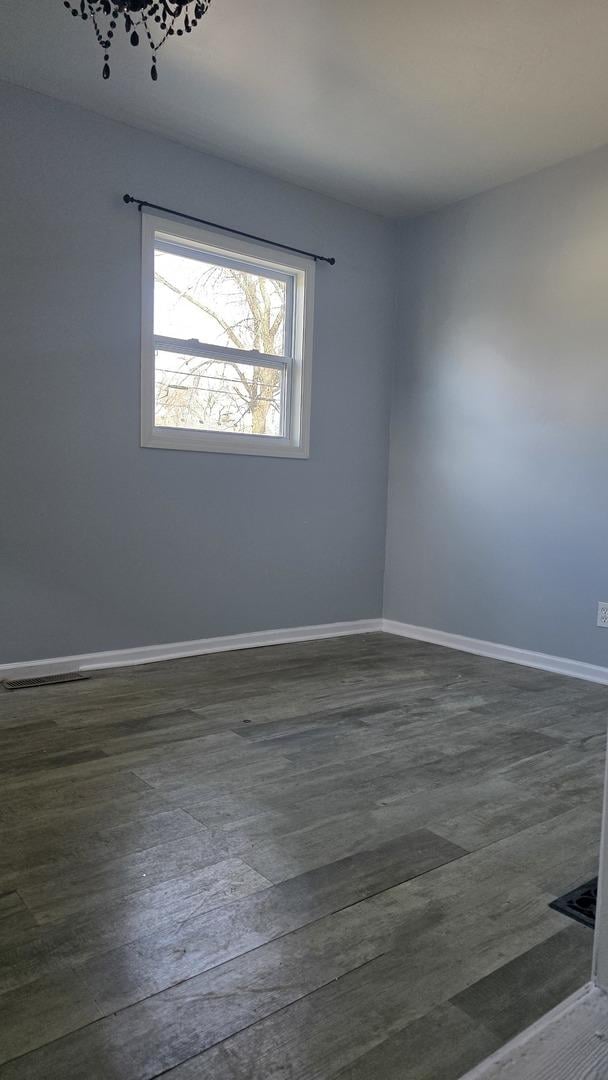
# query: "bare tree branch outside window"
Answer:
x=237 y=309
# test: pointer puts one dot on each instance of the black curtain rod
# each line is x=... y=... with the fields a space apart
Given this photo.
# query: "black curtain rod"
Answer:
x=236 y=232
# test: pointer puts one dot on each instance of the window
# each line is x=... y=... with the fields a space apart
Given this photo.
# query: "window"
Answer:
x=226 y=343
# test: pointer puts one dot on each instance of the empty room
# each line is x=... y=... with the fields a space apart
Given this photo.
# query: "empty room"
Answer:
x=303 y=573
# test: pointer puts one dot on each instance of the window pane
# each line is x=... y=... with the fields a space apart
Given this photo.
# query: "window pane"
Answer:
x=216 y=395
x=218 y=305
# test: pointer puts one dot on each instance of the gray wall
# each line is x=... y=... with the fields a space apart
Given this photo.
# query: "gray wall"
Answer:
x=498 y=518
x=104 y=544
x=498 y=497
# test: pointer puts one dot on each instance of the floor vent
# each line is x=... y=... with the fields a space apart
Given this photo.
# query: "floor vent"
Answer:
x=579 y=904
x=43 y=680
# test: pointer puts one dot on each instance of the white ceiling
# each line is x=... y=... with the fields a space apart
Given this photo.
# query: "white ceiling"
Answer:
x=395 y=105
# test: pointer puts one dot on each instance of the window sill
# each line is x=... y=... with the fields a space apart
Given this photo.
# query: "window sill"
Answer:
x=211 y=442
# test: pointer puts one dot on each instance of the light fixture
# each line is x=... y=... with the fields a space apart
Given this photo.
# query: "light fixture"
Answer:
x=154 y=20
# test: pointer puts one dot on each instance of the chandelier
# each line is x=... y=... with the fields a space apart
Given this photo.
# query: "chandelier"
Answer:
x=151 y=20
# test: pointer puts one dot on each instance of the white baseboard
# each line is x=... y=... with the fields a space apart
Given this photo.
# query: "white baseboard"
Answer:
x=149 y=654
x=558 y=664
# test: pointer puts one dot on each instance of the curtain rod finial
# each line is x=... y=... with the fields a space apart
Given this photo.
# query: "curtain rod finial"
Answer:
x=128 y=198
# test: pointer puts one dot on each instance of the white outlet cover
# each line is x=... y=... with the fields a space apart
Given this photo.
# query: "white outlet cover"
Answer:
x=602 y=613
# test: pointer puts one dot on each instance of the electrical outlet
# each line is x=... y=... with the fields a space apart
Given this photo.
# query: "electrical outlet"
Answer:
x=602 y=613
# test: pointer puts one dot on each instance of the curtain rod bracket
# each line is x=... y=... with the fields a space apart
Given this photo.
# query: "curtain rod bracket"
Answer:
x=236 y=232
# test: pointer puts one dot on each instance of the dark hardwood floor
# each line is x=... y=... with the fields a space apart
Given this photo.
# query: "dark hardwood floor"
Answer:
x=313 y=861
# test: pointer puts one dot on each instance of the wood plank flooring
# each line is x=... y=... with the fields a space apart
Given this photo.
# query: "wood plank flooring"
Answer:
x=323 y=861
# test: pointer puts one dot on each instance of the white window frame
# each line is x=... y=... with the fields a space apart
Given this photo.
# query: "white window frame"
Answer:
x=299 y=271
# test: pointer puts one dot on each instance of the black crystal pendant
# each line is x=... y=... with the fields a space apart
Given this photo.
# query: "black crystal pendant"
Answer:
x=156 y=20
x=132 y=5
